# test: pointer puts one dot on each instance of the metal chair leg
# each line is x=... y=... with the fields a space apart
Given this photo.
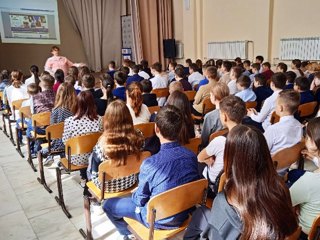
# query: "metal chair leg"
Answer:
x=60 y=199
x=86 y=205
x=18 y=144
x=42 y=179
x=4 y=126
x=11 y=134
x=29 y=159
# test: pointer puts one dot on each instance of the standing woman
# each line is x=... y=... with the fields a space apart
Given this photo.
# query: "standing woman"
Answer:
x=255 y=203
x=85 y=120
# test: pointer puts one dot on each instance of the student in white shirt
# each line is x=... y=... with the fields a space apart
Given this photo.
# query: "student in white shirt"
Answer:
x=171 y=74
x=34 y=70
x=262 y=119
x=288 y=131
x=245 y=92
x=255 y=67
x=232 y=111
x=195 y=77
x=160 y=80
x=225 y=71
x=235 y=73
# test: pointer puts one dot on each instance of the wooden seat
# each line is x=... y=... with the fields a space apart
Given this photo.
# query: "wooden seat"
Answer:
x=165 y=205
x=53 y=132
x=251 y=104
x=218 y=133
x=286 y=157
x=154 y=109
x=147 y=129
x=274 y=118
x=307 y=109
x=207 y=106
x=190 y=95
x=161 y=92
x=74 y=146
x=109 y=170
x=314 y=233
x=193 y=145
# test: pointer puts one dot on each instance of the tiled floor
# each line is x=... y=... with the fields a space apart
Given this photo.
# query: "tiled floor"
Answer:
x=28 y=211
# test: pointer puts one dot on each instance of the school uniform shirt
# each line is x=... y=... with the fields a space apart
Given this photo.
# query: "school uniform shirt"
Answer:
x=111 y=73
x=247 y=73
x=252 y=77
x=30 y=80
x=143 y=117
x=201 y=95
x=306 y=97
x=133 y=78
x=289 y=86
x=171 y=76
x=262 y=93
x=185 y=84
x=232 y=85
x=144 y=75
x=202 y=83
x=150 y=99
x=225 y=78
x=14 y=94
x=247 y=95
x=268 y=74
x=160 y=81
x=268 y=107
x=211 y=124
x=283 y=134
x=195 y=78
x=119 y=92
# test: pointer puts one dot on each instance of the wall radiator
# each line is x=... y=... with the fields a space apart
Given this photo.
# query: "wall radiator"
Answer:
x=228 y=50
x=300 y=48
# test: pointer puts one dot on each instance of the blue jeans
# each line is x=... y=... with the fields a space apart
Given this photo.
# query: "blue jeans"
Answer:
x=117 y=208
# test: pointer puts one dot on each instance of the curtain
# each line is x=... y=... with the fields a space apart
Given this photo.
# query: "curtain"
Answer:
x=136 y=31
x=98 y=24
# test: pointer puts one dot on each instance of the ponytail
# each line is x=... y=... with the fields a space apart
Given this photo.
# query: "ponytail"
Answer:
x=135 y=94
x=16 y=78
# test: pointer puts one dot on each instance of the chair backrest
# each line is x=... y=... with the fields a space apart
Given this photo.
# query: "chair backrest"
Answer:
x=307 y=109
x=314 y=233
x=154 y=109
x=207 y=105
x=113 y=170
x=82 y=144
x=193 y=144
x=41 y=119
x=25 y=112
x=190 y=95
x=287 y=156
x=218 y=133
x=161 y=92
x=147 y=129
x=16 y=105
x=274 y=118
x=251 y=104
x=168 y=203
x=295 y=235
x=222 y=182
x=54 y=131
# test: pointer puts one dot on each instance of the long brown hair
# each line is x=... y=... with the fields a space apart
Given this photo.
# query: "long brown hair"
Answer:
x=135 y=94
x=313 y=132
x=66 y=97
x=119 y=137
x=86 y=106
x=16 y=78
x=254 y=187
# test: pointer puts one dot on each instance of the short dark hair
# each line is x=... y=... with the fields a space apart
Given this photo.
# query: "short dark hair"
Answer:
x=194 y=67
x=55 y=48
x=157 y=66
x=135 y=69
x=234 y=108
x=125 y=70
x=179 y=72
x=32 y=89
x=70 y=79
x=169 y=120
x=48 y=80
x=4 y=74
x=59 y=75
x=88 y=81
x=113 y=64
x=219 y=63
x=302 y=83
x=279 y=80
x=244 y=81
x=146 y=85
x=290 y=76
x=189 y=61
x=297 y=63
x=256 y=66
x=266 y=64
x=212 y=72
x=261 y=79
x=260 y=58
x=227 y=65
x=120 y=77
x=247 y=62
x=283 y=66
x=291 y=100
x=173 y=64
x=237 y=71
x=86 y=106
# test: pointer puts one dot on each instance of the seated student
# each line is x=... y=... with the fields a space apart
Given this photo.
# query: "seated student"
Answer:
x=125 y=70
x=139 y=111
x=175 y=86
x=305 y=194
x=200 y=65
x=135 y=77
x=82 y=71
x=205 y=81
x=187 y=67
x=259 y=60
x=304 y=68
x=195 y=77
x=107 y=85
x=261 y=90
x=291 y=76
x=4 y=79
x=181 y=77
x=266 y=70
x=160 y=80
x=59 y=78
x=120 y=79
x=302 y=86
x=255 y=67
x=142 y=73
x=282 y=67
x=88 y=83
x=245 y=92
x=295 y=66
x=145 y=68
x=148 y=98
x=288 y=131
x=262 y=119
x=171 y=67
x=85 y=120
x=232 y=111
x=212 y=121
x=34 y=78
x=204 y=91
x=225 y=72
x=315 y=86
x=255 y=203
x=246 y=66
x=44 y=100
x=172 y=166
x=111 y=68
x=234 y=75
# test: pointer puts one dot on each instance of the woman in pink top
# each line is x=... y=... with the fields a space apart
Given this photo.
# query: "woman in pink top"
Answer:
x=57 y=62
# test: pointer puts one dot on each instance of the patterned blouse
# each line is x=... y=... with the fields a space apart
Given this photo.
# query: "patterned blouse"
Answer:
x=77 y=127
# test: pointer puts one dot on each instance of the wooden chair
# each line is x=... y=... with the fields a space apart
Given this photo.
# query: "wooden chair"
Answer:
x=38 y=120
x=154 y=109
x=251 y=104
x=307 y=109
x=194 y=144
x=314 y=233
x=161 y=92
x=53 y=132
x=165 y=205
x=190 y=95
x=25 y=112
x=274 y=118
x=222 y=182
x=147 y=129
x=218 y=133
x=109 y=170
x=287 y=156
x=76 y=145
x=206 y=107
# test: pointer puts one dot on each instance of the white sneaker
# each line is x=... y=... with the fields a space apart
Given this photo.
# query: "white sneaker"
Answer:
x=126 y=237
x=96 y=209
